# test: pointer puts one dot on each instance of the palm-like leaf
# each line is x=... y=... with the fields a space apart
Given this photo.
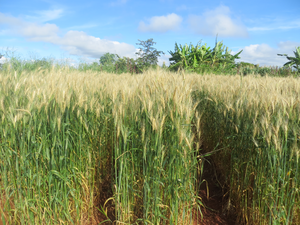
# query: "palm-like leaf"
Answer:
x=294 y=61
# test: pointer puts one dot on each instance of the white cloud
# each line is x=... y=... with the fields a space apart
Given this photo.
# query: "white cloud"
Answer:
x=79 y=43
x=264 y=55
x=3 y=60
x=9 y=20
x=288 y=45
x=29 y=30
x=75 y=42
x=285 y=27
x=45 y=15
x=164 y=59
x=217 y=21
x=161 y=23
x=274 y=24
x=37 y=32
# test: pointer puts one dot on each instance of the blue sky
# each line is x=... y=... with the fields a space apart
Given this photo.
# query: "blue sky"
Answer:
x=85 y=30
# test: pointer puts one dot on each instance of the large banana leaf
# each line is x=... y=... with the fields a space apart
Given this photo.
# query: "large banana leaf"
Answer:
x=294 y=61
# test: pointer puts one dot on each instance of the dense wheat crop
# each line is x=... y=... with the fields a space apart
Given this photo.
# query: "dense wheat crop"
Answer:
x=255 y=121
x=66 y=136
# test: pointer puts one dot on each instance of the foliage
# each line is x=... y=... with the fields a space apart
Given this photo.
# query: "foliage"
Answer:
x=127 y=65
x=294 y=61
x=189 y=57
x=247 y=71
x=263 y=71
x=107 y=62
x=198 y=58
x=108 y=59
x=112 y=63
x=246 y=64
x=147 y=54
x=38 y=64
x=115 y=64
x=19 y=66
x=88 y=66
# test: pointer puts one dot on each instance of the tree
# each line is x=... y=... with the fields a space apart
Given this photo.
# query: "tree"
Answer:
x=147 y=54
x=108 y=59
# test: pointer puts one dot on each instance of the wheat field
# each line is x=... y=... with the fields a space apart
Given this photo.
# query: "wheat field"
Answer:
x=67 y=137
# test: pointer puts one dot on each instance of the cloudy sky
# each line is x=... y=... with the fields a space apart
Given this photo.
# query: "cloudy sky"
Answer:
x=85 y=30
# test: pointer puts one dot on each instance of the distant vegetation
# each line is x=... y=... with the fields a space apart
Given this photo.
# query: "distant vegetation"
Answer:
x=200 y=59
x=293 y=61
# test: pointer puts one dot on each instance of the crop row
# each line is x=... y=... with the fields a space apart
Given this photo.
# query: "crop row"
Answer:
x=74 y=144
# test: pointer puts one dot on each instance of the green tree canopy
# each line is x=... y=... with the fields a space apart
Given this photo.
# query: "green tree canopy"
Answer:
x=108 y=59
x=147 y=54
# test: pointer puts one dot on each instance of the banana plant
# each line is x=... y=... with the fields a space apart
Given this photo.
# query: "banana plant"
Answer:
x=195 y=58
x=228 y=60
x=201 y=53
x=189 y=57
x=294 y=61
x=179 y=56
x=216 y=55
x=223 y=59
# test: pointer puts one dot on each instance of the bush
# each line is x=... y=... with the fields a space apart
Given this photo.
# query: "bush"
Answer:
x=127 y=65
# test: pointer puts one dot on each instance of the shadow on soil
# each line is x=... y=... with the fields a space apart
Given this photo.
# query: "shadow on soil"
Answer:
x=216 y=210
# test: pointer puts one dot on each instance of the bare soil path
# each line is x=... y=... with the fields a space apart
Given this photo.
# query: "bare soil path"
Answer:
x=212 y=194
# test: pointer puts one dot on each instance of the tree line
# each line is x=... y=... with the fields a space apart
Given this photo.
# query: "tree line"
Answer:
x=199 y=59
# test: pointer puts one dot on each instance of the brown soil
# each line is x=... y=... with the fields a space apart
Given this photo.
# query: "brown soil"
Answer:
x=3 y=213
x=214 y=211
x=110 y=210
x=103 y=201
